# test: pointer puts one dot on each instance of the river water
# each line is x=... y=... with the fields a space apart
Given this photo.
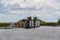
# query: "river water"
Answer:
x=41 y=33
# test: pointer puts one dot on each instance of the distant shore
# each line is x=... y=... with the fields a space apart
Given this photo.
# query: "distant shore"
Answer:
x=6 y=24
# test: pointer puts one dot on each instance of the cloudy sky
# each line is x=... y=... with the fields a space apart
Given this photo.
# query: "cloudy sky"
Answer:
x=14 y=10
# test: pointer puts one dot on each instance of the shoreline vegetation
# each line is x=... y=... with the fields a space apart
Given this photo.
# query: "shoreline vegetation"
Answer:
x=42 y=23
x=5 y=25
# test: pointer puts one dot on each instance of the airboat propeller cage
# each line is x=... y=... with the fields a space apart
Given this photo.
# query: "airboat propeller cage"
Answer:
x=33 y=22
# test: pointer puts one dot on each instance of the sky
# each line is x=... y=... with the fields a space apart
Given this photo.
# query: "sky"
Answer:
x=14 y=10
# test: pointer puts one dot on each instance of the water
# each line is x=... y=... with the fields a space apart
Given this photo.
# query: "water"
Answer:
x=41 y=33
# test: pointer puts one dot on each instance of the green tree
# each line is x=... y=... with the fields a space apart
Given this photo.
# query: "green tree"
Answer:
x=59 y=21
